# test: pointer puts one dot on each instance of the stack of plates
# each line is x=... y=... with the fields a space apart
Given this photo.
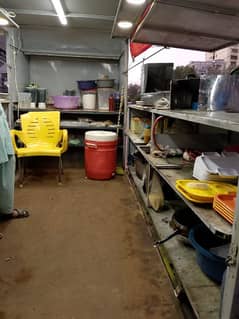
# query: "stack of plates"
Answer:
x=225 y=206
x=203 y=191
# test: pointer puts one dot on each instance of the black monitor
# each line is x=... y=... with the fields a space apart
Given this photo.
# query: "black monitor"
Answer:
x=156 y=77
x=184 y=93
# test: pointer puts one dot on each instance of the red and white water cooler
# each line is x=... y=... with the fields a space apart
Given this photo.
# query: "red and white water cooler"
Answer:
x=100 y=154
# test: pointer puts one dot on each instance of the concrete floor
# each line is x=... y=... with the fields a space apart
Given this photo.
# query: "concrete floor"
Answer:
x=84 y=253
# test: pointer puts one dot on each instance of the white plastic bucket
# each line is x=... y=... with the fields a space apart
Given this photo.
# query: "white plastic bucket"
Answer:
x=103 y=97
x=89 y=101
x=24 y=100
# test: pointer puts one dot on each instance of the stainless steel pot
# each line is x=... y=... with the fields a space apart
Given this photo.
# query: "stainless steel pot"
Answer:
x=224 y=93
x=182 y=221
x=105 y=83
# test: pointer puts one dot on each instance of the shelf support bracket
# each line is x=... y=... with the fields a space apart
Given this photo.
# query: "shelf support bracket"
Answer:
x=232 y=258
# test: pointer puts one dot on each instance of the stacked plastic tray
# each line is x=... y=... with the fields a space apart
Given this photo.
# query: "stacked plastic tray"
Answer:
x=225 y=206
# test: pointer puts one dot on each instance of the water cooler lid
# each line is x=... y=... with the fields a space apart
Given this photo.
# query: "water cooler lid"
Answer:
x=100 y=136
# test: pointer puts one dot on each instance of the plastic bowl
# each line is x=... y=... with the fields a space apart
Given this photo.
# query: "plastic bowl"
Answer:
x=202 y=240
x=66 y=102
x=86 y=85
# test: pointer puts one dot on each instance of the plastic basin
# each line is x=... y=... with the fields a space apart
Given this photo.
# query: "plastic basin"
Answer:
x=202 y=240
x=66 y=102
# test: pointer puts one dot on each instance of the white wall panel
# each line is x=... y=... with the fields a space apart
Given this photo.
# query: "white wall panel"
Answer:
x=17 y=64
x=66 y=41
x=59 y=74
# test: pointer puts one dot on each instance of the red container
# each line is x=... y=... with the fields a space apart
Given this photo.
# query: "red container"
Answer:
x=100 y=154
x=111 y=103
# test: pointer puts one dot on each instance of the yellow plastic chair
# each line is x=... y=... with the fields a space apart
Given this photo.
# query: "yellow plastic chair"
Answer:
x=40 y=136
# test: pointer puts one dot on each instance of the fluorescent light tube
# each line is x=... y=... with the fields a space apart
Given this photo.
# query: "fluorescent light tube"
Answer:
x=125 y=24
x=59 y=10
x=8 y=16
x=3 y=21
x=136 y=2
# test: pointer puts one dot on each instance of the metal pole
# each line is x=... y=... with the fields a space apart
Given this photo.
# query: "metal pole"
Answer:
x=126 y=110
x=230 y=300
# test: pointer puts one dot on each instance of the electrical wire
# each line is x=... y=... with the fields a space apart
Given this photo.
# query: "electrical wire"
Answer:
x=16 y=48
x=155 y=125
x=144 y=59
x=120 y=109
x=9 y=15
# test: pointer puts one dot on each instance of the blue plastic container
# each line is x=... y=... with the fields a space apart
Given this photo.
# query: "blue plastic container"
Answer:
x=202 y=240
x=86 y=85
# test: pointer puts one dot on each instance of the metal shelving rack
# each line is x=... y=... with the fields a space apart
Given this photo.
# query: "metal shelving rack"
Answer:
x=206 y=29
x=195 y=283
x=69 y=111
x=74 y=124
x=76 y=128
x=184 y=259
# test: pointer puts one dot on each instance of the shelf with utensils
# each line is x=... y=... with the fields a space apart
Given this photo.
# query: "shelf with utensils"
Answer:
x=180 y=261
x=222 y=120
x=68 y=111
x=77 y=125
x=206 y=214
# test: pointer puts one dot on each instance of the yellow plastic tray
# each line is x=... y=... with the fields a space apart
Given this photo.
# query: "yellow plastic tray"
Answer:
x=203 y=191
x=192 y=199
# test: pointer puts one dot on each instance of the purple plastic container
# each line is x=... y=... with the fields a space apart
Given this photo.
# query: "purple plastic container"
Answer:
x=66 y=102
